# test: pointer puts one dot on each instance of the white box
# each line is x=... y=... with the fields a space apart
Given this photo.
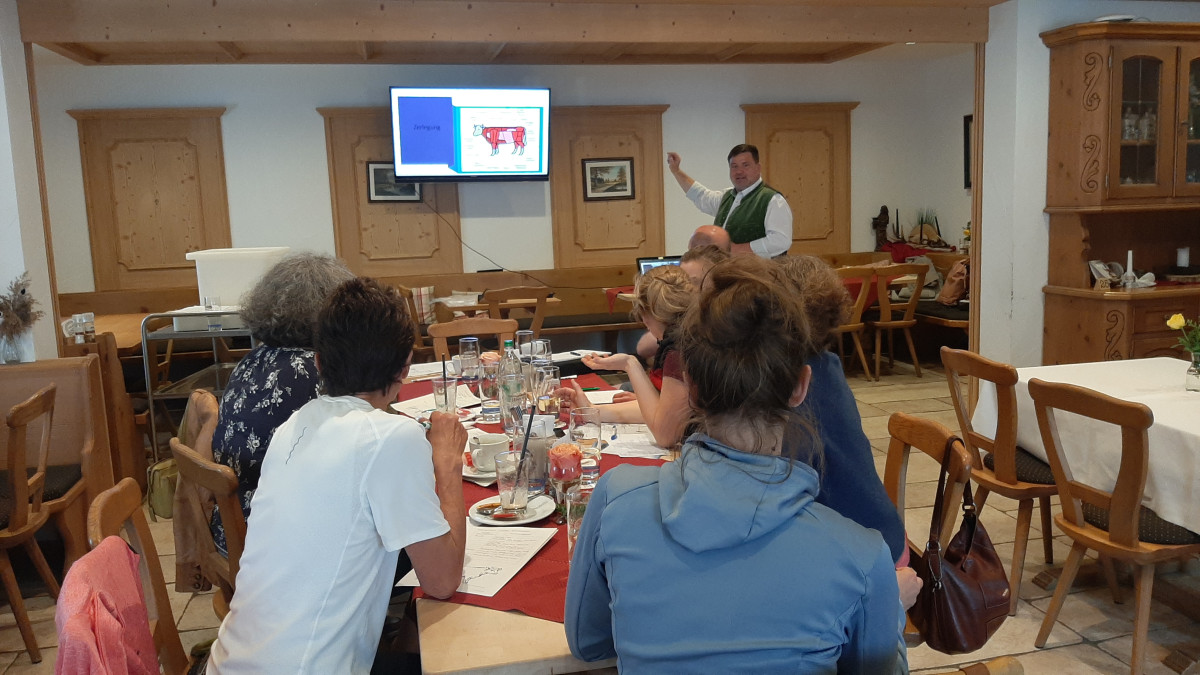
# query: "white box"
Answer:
x=229 y=272
x=200 y=323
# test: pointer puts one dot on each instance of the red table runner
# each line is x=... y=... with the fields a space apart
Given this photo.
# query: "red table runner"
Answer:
x=539 y=589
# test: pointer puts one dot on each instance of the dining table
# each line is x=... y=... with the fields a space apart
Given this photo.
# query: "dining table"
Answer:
x=1093 y=449
x=520 y=629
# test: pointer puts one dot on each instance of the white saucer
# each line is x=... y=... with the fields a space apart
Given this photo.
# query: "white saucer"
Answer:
x=463 y=414
x=483 y=478
x=538 y=508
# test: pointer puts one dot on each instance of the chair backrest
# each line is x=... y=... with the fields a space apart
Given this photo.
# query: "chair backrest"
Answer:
x=1124 y=502
x=959 y=362
x=931 y=438
x=118 y=511
x=200 y=421
x=537 y=293
x=80 y=430
x=411 y=301
x=27 y=491
x=503 y=329
x=864 y=276
x=128 y=450
x=905 y=308
x=222 y=482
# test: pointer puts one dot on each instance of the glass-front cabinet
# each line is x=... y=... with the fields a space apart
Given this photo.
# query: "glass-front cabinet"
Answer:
x=1142 y=159
x=1187 y=167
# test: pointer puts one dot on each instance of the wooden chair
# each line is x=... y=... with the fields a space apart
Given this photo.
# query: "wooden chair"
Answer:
x=929 y=437
x=25 y=511
x=503 y=329
x=421 y=352
x=1005 y=665
x=854 y=323
x=896 y=315
x=125 y=441
x=79 y=466
x=118 y=511
x=222 y=483
x=1112 y=523
x=1008 y=470
x=494 y=297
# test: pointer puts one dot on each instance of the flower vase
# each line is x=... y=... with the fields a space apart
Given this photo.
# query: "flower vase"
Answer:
x=10 y=349
x=1191 y=381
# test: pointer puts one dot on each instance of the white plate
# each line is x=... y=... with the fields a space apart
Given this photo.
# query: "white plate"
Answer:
x=463 y=414
x=480 y=477
x=539 y=507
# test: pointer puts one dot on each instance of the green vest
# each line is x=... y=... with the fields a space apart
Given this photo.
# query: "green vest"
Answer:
x=748 y=220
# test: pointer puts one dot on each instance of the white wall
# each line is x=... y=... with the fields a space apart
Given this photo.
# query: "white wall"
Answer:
x=22 y=239
x=906 y=139
x=1013 y=236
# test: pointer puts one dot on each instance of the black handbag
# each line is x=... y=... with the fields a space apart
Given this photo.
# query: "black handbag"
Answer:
x=965 y=596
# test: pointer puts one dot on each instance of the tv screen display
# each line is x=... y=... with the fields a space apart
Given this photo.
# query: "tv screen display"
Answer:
x=465 y=134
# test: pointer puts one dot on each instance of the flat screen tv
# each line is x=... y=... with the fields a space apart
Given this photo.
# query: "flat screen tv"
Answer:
x=466 y=134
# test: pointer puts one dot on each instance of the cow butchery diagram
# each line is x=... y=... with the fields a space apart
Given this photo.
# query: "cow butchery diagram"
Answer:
x=470 y=139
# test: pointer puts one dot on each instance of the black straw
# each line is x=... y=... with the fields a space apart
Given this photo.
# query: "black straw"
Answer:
x=528 y=429
x=444 y=375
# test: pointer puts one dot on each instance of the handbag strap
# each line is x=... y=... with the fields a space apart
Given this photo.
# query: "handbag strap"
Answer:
x=970 y=520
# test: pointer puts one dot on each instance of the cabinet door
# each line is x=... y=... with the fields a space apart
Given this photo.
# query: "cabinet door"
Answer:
x=1187 y=155
x=1143 y=113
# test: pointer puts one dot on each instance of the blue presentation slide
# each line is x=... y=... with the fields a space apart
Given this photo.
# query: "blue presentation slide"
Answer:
x=426 y=130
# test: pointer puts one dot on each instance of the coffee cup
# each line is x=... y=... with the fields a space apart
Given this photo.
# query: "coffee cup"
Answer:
x=484 y=448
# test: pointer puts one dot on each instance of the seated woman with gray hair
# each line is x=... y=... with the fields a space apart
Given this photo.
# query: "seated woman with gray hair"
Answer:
x=279 y=375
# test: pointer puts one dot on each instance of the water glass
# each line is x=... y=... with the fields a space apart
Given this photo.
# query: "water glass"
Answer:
x=524 y=343
x=468 y=363
x=585 y=432
x=445 y=394
x=536 y=454
x=512 y=479
x=546 y=384
x=577 y=502
x=212 y=303
x=540 y=349
x=489 y=393
x=512 y=400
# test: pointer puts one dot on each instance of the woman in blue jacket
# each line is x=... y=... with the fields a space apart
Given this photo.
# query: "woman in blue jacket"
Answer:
x=722 y=561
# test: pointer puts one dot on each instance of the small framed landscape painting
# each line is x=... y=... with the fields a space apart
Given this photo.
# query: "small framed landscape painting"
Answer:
x=608 y=178
x=382 y=185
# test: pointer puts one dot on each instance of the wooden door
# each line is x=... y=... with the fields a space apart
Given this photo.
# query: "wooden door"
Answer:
x=1142 y=117
x=598 y=230
x=154 y=181
x=804 y=150
x=385 y=238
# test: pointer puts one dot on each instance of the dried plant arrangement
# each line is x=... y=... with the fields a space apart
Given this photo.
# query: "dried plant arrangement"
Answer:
x=17 y=313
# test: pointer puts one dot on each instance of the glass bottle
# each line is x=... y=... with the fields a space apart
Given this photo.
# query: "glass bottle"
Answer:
x=1191 y=381
x=1129 y=126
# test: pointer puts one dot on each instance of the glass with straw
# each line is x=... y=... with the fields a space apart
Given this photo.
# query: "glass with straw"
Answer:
x=468 y=364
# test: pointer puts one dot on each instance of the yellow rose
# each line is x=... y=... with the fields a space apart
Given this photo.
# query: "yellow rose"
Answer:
x=1176 y=322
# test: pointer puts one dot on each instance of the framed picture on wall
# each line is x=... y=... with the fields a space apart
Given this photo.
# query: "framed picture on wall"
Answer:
x=382 y=185
x=608 y=178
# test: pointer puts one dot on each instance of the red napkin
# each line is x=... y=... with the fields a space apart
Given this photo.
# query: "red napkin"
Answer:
x=612 y=294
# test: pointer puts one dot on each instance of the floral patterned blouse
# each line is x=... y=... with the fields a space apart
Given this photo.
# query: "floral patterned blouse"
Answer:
x=266 y=387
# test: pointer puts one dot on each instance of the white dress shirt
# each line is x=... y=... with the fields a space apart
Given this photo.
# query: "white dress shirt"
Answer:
x=778 y=221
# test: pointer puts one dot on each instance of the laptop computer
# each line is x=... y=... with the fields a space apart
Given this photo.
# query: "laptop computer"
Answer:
x=646 y=264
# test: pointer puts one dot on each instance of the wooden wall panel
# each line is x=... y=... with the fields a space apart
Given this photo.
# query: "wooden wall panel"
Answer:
x=155 y=187
x=389 y=238
x=606 y=232
x=805 y=154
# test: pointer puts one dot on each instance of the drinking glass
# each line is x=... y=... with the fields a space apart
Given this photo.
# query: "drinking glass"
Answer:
x=489 y=393
x=535 y=453
x=524 y=343
x=577 y=502
x=468 y=363
x=512 y=400
x=564 y=470
x=512 y=479
x=212 y=303
x=445 y=394
x=540 y=349
x=585 y=432
x=547 y=382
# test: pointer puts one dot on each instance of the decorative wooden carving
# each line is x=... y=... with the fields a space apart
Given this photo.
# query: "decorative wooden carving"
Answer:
x=1093 y=64
x=1114 y=335
x=385 y=238
x=155 y=186
x=608 y=232
x=1089 y=175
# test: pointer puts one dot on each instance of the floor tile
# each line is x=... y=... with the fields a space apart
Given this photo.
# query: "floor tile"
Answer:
x=900 y=392
x=41 y=615
x=921 y=405
x=193 y=637
x=23 y=665
x=1093 y=614
x=866 y=410
x=1015 y=636
x=163 y=535
x=199 y=613
x=1160 y=644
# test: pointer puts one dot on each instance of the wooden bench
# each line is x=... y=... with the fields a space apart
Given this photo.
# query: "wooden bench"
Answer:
x=935 y=313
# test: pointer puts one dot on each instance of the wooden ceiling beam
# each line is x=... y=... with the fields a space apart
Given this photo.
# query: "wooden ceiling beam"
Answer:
x=231 y=50
x=75 y=52
x=494 y=52
x=490 y=21
x=731 y=51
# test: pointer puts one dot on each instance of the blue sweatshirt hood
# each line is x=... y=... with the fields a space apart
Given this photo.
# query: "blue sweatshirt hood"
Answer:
x=716 y=497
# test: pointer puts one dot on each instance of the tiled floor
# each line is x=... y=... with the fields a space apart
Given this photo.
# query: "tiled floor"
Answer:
x=1093 y=635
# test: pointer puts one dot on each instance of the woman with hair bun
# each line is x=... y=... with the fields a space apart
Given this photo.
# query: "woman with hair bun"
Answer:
x=722 y=561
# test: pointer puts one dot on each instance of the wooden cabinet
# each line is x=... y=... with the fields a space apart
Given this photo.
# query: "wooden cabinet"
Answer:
x=1124 y=114
x=1123 y=174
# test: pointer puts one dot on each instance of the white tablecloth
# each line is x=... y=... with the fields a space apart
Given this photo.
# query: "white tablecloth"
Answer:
x=1093 y=449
